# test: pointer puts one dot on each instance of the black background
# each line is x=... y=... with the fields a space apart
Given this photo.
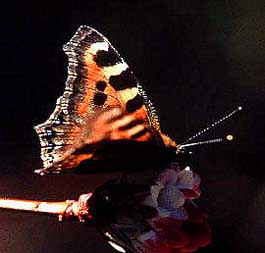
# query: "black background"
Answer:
x=196 y=59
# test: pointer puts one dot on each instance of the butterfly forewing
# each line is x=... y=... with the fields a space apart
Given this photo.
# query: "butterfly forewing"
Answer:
x=98 y=79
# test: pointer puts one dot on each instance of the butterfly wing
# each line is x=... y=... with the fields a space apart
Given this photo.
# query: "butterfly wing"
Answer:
x=98 y=79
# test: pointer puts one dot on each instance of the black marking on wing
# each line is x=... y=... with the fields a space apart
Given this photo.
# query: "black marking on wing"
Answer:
x=107 y=58
x=123 y=81
x=100 y=98
x=101 y=85
x=134 y=104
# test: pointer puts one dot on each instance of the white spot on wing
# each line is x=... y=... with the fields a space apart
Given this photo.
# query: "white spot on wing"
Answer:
x=98 y=46
x=115 y=70
x=128 y=93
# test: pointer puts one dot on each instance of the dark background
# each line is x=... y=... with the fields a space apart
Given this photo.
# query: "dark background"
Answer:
x=196 y=59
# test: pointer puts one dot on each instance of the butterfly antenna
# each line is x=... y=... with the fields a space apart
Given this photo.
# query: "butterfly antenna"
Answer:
x=229 y=137
x=213 y=125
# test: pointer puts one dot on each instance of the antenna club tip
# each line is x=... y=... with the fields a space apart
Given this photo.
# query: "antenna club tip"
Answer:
x=229 y=137
x=239 y=108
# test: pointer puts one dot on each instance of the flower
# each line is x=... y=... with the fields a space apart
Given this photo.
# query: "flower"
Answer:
x=171 y=190
x=158 y=218
x=179 y=226
x=175 y=236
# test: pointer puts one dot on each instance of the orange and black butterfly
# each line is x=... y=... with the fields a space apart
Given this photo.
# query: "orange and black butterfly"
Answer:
x=102 y=103
x=104 y=112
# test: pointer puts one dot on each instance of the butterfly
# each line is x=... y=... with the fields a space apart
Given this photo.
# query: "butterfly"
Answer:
x=102 y=102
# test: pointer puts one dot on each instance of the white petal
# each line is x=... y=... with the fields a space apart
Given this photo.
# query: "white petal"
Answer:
x=185 y=177
x=170 y=198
